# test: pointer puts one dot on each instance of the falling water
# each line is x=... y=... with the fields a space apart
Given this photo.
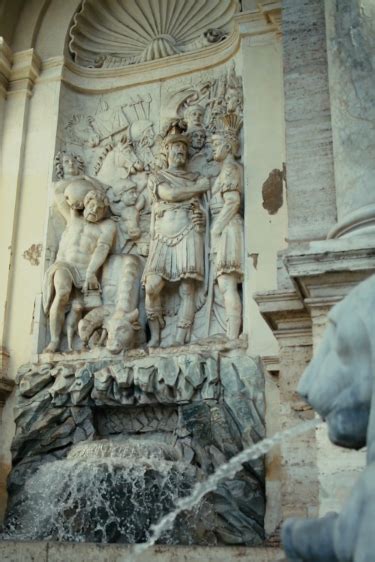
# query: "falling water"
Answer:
x=226 y=471
x=106 y=491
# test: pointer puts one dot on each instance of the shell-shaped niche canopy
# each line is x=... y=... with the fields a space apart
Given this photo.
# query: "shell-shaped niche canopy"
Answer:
x=115 y=33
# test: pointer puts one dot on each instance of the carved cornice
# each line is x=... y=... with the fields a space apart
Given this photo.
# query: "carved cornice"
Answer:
x=271 y=11
x=6 y=60
x=25 y=70
x=323 y=274
x=272 y=364
x=286 y=315
x=326 y=271
x=253 y=24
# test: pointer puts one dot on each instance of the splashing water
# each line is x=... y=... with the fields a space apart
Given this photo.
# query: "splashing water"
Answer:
x=106 y=491
x=226 y=471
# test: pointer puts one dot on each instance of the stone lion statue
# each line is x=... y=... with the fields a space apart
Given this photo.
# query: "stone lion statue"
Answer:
x=339 y=385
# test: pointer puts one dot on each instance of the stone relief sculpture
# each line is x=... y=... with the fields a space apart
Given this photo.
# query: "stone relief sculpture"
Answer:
x=127 y=205
x=339 y=385
x=81 y=130
x=117 y=162
x=83 y=248
x=177 y=244
x=233 y=94
x=173 y=200
x=227 y=223
x=148 y=233
x=200 y=151
x=68 y=165
x=129 y=31
x=116 y=323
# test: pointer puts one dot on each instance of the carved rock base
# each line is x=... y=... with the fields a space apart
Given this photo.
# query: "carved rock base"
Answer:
x=196 y=409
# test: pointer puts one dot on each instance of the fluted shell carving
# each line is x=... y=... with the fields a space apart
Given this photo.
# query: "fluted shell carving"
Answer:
x=113 y=33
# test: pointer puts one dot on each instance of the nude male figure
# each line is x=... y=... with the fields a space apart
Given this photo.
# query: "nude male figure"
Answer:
x=84 y=247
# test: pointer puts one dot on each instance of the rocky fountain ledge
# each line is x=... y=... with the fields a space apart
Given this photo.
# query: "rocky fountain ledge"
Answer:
x=183 y=414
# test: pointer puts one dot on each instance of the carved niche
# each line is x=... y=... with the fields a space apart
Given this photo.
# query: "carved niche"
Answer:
x=116 y=34
x=144 y=253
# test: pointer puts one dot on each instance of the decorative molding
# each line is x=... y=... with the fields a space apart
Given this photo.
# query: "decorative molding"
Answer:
x=271 y=11
x=116 y=34
x=327 y=271
x=6 y=60
x=253 y=24
x=286 y=315
x=330 y=260
x=92 y=80
x=323 y=274
x=95 y=80
x=26 y=68
x=52 y=70
x=272 y=364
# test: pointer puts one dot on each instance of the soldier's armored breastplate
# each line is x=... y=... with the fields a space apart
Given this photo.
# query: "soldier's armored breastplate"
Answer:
x=172 y=220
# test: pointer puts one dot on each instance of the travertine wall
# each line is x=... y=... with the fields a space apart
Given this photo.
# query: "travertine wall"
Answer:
x=310 y=174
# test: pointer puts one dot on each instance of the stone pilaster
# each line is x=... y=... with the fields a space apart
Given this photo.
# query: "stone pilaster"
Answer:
x=324 y=275
x=310 y=172
x=6 y=384
x=351 y=47
x=291 y=324
x=6 y=59
x=21 y=78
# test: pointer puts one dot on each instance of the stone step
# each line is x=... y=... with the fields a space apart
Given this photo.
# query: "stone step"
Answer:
x=77 y=552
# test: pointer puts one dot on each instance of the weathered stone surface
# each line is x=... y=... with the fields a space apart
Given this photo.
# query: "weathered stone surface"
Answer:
x=308 y=121
x=25 y=552
x=272 y=192
x=55 y=552
x=34 y=379
x=351 y=44
x=164 y=406
x=339 y=385
x=92 y=291
x=154 y=379
x=60 y=115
